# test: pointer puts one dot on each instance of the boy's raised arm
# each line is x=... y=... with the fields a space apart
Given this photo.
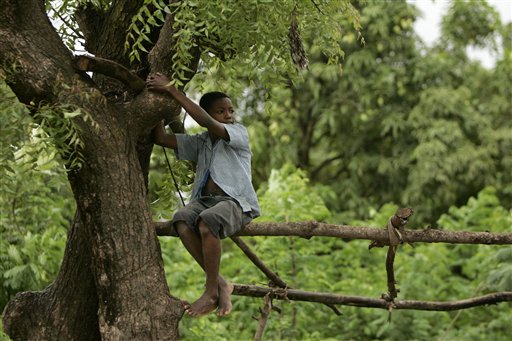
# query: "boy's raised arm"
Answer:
x=160 y=83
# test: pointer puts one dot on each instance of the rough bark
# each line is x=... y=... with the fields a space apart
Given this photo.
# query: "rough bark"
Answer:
x=111 y=283
x=126 y=259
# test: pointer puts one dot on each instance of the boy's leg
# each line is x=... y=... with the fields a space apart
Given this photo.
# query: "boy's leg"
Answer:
x=210 y=247
x=195 y=247
x=215 y=284
x=191 y=241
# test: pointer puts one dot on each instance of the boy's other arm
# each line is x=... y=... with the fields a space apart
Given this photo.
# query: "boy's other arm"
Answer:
x=161 y=138
x=160 y=83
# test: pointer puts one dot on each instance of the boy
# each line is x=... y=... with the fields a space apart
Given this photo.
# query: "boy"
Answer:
x=223 y=199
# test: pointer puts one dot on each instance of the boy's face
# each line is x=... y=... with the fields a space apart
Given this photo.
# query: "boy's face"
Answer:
x=222 y=110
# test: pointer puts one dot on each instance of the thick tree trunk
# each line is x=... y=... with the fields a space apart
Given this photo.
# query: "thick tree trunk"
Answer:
x=111 y=284
x=133 y=297
x=111 y=281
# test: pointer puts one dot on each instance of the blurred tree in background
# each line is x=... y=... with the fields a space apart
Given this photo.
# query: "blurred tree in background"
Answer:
x=35 y=204
x=394 y=121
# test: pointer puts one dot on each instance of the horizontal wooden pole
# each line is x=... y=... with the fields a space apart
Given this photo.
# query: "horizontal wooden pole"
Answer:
x=316 y=229
x=310 y=229
x=359 y=301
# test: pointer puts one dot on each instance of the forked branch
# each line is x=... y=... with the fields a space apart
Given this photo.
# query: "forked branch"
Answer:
x=274 y=278
x=393 y=235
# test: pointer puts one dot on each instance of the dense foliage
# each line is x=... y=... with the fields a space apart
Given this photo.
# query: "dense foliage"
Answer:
x=394 y=123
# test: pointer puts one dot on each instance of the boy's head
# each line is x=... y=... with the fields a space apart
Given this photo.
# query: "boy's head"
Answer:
x=218 y=105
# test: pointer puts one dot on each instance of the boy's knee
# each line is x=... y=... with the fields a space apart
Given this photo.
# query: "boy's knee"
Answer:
x=181 y=227
x=204 y=230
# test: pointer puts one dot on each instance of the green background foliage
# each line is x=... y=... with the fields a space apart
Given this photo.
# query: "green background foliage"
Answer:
x=364 y=130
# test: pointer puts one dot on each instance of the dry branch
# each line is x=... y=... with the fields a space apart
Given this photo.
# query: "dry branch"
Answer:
x=392 y=236
x=395 y=228
x=359 y=301
x=316 y=229
x=275 y=279
x=311 y=229
x=259 y=263
x=262 y=321
x=111 y=69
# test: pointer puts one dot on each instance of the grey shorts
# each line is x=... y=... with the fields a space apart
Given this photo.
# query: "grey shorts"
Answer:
x=222 y=214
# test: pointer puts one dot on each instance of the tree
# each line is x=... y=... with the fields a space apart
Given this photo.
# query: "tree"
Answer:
x=344 y=123
x=111 y=283
x=400 y=122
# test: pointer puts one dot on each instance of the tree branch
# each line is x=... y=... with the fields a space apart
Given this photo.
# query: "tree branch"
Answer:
x=359 y=301
x=160 y=57
x=161 y=106
x=31 y=53
x=111 y=69
x=311 y=229
x=276 y=280
x=316 y=229
x=393 y=235
x=105 y=30
x=395 y=228
x=262 y=321
x=325 y=163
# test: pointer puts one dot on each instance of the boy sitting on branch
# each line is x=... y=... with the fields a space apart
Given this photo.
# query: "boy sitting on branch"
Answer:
x=223 y=199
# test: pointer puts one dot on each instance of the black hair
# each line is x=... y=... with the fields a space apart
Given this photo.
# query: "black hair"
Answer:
x=208 y=98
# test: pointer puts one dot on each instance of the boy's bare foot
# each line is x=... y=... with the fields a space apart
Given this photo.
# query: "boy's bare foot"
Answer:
x=225 y=305
x=204 y=305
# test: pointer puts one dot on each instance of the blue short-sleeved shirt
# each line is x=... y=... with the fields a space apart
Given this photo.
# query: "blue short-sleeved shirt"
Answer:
x=229 y=164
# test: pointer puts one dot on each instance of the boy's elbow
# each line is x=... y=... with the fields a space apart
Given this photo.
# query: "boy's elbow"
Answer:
x=161 y=138
x=168 y=141
x=157 y=139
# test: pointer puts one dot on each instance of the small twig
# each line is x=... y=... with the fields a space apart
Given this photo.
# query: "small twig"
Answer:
x=317 y=7
x=265 y=312
x=77 y=34
x=13 y=206
x=452 y=322
x=395 y=229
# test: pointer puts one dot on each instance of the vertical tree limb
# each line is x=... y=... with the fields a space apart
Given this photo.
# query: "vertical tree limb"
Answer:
x=395 y=228
x=390 y=259
x=265 y=312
